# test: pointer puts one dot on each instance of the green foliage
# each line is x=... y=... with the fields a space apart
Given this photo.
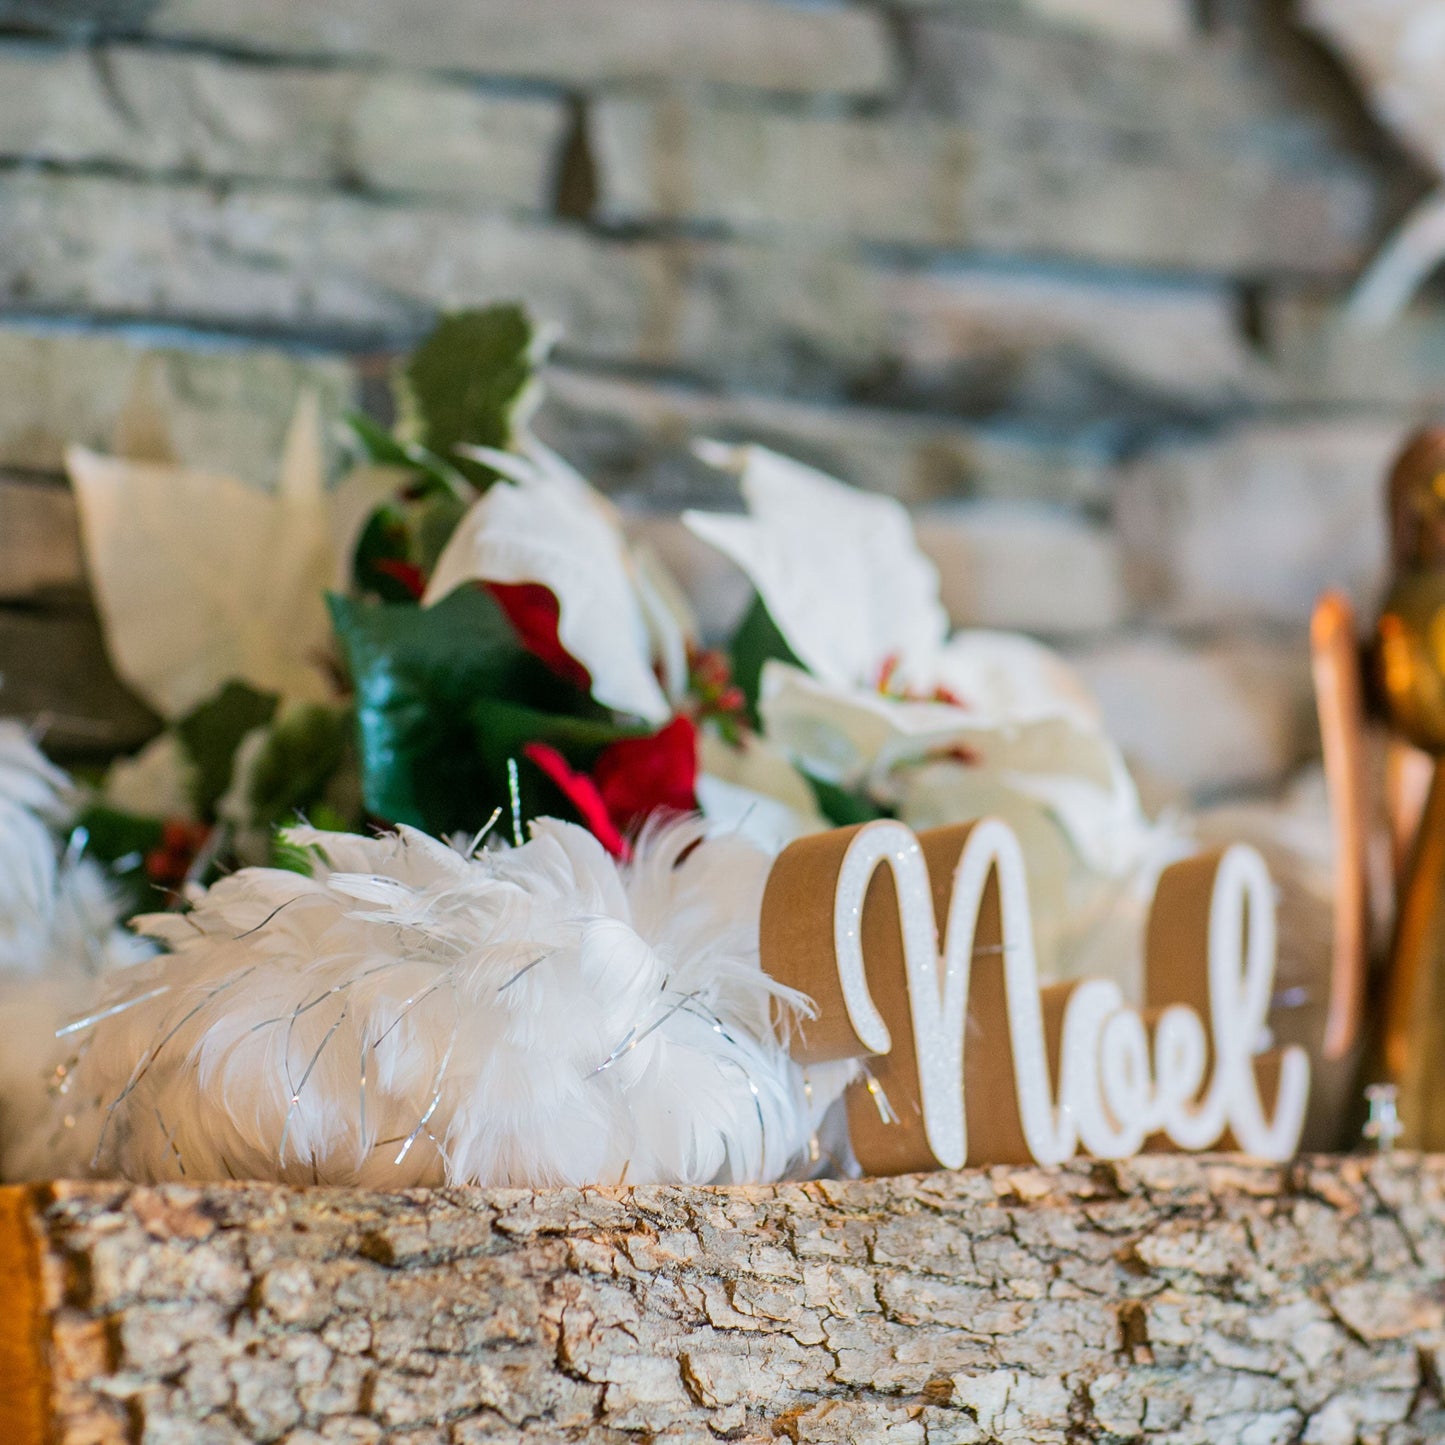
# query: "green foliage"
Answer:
x=212 y=732
x=301 y=756
x=502 y=729
x=433 y=528
x=121 y=841
x=467 y=382
x=434 y=474
x=385 y=538
x=433 y=735
x=756 y=641
x=841 y=807
x=295 y=857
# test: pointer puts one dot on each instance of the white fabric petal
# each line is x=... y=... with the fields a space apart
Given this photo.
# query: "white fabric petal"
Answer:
x=754 y=791
x=838 y=569
x=155 y=782
x=863 y=739
x=1005 y=678
x=536 y=531
x=671 y=623
x=201 y=579
x=846 y=735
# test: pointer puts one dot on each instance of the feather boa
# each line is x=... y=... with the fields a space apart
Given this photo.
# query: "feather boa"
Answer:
x=409 y=1014
x=58 y=935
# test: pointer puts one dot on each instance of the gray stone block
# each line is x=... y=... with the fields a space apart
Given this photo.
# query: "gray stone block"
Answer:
x=1206 y=717
x=840 y=48
x=226 y=406
x=202 y=115
x=1253 y=525
x=1086 y=193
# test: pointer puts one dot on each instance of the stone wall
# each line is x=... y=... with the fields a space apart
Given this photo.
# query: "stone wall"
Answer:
x=1063 y=273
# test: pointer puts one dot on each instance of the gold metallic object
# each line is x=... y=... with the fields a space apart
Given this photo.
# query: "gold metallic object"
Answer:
x=1410 y=640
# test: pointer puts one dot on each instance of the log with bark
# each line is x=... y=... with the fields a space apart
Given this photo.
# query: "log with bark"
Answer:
x=1165 y=1298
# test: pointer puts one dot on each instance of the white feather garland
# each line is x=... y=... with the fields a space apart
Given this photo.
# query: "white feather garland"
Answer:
x=411 y=1015
x=58 y=936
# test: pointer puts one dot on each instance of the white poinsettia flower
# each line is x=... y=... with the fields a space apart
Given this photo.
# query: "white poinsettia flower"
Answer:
x=938 y=729
x=619 y=615
x=751 y=789
x=201 y=579
x=838 y=569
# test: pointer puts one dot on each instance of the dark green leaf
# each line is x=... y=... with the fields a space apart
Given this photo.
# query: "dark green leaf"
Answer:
x=113 y=835
x=435 y=524
x=434 y=474
x=418 y=674
x=211 y=733
x=757 y=641
x=841 y=807
x=505 y=728
x=466 y=382
x=385 y=538
x=502 y=731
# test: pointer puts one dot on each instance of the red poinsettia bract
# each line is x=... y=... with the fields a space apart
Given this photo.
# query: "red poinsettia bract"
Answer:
x=534 y=612
x=630 y=780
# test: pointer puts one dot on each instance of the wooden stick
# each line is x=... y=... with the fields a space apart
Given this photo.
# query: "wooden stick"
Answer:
x=1339 y=697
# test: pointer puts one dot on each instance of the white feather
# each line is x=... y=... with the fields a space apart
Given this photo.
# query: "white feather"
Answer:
x=58 y=935
x=408 y=1015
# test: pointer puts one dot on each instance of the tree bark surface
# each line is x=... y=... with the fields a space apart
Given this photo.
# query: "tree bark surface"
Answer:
x=1166 y=1298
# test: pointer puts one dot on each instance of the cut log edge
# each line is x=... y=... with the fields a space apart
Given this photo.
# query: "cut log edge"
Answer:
x=25 y=1367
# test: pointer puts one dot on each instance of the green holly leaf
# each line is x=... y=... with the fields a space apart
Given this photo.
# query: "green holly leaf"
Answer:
x=375 y=443
x=505 y=728
x=756 y=641
x=502 y=730
x=468 y=383
x=418 y=674
x=435 y=523
x=113 y=835
x=212 y=732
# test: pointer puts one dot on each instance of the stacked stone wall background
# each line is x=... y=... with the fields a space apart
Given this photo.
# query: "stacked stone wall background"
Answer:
x=1064 y=274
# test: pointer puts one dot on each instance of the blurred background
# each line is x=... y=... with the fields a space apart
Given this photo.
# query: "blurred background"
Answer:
x=1065 y=275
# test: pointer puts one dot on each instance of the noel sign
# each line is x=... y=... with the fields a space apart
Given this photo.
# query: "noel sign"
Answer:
x=918 y=951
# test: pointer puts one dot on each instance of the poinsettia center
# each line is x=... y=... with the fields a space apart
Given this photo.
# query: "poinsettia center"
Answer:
x=715 y=697
x=892 y=686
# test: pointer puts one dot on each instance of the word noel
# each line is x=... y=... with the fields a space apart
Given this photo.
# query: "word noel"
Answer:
x=967 y=1052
